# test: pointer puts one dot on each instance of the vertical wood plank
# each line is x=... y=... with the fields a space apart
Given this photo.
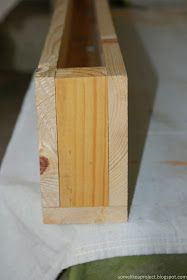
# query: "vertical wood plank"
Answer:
x=118 y=107
x=46 y=107
x=101 y=144
x=118 y=141
x=82 y=121
x=118 y=125
x=46 y=116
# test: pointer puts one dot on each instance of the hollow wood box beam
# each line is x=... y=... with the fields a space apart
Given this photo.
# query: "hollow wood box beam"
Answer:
x=81 y=100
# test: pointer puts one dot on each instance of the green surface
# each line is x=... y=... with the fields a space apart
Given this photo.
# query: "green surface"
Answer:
x=120 y=267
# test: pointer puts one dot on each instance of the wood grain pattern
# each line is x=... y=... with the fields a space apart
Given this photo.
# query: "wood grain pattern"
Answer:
x=84 y=215
x=83 y=117
x=82 y=120
x=81 y=72
x=105 y=25
x=118 y=124
x=113 y=60
x=46 y=112
x=46 y=108
x=118 y=107
x=118 y=141
x=50 y=53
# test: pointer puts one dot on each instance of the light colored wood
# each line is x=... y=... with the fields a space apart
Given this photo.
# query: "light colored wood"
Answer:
x=118 y=124
x=118 y=107
x=83 y=118
x=81 y=72
x=105 y=25
x=46 y=108
x=82 y=121
x=46 y=112
x=118 y=140
x=84 y=215
x=113 y=59
x=50 y=53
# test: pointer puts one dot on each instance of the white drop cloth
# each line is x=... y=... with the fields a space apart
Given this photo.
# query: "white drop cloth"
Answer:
x=158 y=217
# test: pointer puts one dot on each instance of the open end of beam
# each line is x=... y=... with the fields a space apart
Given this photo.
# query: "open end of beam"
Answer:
x=80 y=42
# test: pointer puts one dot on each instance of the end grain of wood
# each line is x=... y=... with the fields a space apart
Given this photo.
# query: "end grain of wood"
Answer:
x=82 y=106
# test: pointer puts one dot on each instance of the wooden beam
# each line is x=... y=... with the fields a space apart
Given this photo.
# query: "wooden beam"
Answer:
x=82 y=105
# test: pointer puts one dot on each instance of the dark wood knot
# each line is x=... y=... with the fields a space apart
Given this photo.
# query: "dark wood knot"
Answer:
x=44 y=163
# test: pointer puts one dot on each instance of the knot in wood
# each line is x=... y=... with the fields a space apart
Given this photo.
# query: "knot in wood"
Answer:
x=44 y=163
